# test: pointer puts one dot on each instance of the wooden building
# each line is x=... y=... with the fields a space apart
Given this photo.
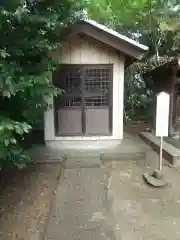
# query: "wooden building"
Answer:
x=92 y=63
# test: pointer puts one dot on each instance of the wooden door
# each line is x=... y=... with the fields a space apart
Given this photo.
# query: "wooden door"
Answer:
x=85 y=107
x=98 y=99
x=68 y=105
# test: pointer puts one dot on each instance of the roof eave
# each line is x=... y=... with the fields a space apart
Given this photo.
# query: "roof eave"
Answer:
x=117 y=35
x=126 y=47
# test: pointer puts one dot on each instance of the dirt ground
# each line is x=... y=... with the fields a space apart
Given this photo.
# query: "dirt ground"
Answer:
x=26 y=200
x=139 y=211
x=134 y=128
x=109 y=201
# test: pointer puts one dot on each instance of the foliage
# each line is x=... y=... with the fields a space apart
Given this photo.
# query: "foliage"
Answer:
x=154 y=23
x=30 y=31
x=137 y=97
x=10 y=131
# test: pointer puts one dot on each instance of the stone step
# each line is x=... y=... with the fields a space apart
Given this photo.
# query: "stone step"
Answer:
x=170 y=153
x=73 y=162
x=123 y=156
x=43 y=154
x=125 y=151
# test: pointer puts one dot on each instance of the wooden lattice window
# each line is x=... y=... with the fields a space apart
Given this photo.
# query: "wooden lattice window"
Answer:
x=86 y=85
x=70 y=81
x=96 y=87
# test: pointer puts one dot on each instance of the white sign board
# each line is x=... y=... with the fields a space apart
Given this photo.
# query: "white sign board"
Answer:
x=162 y=114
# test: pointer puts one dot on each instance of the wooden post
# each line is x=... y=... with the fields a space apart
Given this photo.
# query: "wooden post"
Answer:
x=161 y=154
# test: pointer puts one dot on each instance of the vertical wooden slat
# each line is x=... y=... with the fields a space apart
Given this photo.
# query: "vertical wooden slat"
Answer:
x=84 y=51
x=178 y=109
x=111 y=100
x=65 y=53
x=82 y=94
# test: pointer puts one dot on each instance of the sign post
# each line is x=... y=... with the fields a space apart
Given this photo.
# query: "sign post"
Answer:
x=162 y=120
x=162 y=126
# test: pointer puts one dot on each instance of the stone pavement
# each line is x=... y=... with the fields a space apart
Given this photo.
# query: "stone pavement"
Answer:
x=113 y=202
x=80 y=210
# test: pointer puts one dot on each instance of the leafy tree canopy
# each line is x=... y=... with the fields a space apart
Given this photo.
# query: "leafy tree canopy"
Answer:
x=30 y=31
x=155 y=23
x=152 y=22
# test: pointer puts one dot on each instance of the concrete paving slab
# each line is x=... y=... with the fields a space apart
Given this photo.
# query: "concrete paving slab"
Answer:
x=79 y=210
x=44 y=154
x=75 y=162
x=130 y=148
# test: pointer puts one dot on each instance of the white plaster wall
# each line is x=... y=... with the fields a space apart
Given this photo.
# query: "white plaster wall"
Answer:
x=88 y=51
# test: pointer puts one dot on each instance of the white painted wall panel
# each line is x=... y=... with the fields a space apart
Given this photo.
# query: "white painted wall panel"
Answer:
x=120 y=115
x=49 y=133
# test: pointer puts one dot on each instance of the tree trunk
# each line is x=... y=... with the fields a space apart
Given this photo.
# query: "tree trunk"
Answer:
x=157 y=54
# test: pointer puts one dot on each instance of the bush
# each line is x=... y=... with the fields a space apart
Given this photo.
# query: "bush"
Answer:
x=30 y=31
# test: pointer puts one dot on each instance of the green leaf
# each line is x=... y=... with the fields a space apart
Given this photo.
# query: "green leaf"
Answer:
x=13 y=140
x=6 y=93
x=9 y=126
x=3 y=53
x=18 y=130
x=6 y=142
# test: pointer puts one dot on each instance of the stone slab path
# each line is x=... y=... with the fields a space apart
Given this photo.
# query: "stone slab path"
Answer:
x=80 y=208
